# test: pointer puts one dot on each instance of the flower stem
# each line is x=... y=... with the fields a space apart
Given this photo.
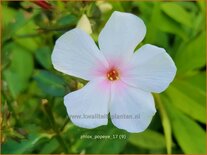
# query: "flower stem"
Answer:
x=9 y=102
x=48 y=112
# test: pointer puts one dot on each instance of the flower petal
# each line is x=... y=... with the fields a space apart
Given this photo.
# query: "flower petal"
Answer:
x=88 y=107
x=150 y=69
x=121 y=35
x=75 y=53
x=131 y=109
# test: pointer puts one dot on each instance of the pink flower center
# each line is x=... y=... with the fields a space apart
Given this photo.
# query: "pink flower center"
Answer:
x=112 y=74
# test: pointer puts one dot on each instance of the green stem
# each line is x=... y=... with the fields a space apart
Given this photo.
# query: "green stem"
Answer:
x=165 y=123
x=48 y=112
x=65 y=123
x=55 y=28
x=9 y=104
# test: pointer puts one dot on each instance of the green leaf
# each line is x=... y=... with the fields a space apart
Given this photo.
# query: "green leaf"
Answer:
x=93 y=11
x=148 y=139
x=152 y=28
x=192 y=54
x=34 y=90
x=50 y=147
x=145 y=9
x=43 y=56
x=188 y=99
x=117 y=6
x=189 y=135
x=50 y=83
x=199 y=24
x=170 y=26
x=17 y=75
x=68 y=20
x=163 y=23
x=25 y=146
x=177 y=12
x=198 y=80
x=165 y=123
x=27 y=36
x=13 y=26
x=10 y=14
x=202 y=5
x=195 y=92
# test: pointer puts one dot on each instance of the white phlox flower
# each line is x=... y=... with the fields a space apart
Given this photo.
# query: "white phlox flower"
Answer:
x=120 y=80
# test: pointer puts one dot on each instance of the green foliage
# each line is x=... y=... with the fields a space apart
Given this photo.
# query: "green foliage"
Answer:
x=193 y=48
x=184 y=126
x=50 y=147
x=148 y=139
x=67 y=20
x=165 y=123
x=178 y=13
x=24 y=146
x=187 y=101
x=17 y=75
x=43 y=57
x=50 y=83
x=34 y=119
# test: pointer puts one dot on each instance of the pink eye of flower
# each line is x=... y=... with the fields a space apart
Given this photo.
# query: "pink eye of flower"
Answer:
x=113 y=75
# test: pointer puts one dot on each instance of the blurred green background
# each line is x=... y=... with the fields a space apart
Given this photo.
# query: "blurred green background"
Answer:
x=33 y=117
